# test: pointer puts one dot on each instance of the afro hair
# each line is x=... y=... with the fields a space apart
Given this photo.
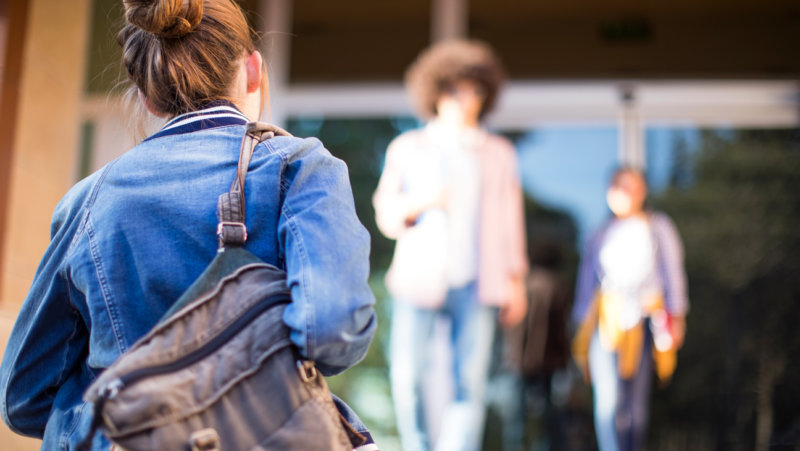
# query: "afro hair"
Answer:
x=439 y=67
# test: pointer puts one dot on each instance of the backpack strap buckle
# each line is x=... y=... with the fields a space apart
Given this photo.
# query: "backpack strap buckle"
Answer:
x=307 y=370
x=231 y=232
x=205 y=440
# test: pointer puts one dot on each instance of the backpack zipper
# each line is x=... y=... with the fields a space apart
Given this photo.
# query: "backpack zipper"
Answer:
x=113 y=387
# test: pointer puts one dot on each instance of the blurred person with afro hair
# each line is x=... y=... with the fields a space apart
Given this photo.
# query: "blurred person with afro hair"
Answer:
x=450 y=195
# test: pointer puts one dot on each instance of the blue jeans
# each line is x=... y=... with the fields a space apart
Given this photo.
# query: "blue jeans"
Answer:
x=620 y=406
x=472 y=330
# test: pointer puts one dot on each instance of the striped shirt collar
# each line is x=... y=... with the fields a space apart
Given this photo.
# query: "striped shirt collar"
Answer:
x=220 y=113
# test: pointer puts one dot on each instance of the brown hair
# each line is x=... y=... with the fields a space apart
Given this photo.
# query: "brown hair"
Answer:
x=439 y=67
x=627 y=169
x=183 y=54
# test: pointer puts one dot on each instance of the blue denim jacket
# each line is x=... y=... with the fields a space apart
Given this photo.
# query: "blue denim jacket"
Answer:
x=129 y=239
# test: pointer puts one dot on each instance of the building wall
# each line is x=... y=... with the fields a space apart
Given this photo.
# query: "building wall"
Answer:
x=44 y=151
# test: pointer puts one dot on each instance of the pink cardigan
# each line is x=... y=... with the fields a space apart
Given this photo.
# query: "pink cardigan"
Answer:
x=501 y=240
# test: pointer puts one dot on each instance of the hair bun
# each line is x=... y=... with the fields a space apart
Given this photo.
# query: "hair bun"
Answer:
x=168 y=19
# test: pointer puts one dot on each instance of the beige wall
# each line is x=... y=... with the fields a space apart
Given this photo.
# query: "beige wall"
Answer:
x=47 y=135
x=45 y=150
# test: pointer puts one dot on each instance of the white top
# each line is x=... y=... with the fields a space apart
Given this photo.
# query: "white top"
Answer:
x=455 y=152
x=628 y=261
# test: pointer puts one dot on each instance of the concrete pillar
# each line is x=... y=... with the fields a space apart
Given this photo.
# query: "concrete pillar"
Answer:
x=13 y=20
x=276 y=24
x=631 y=131
x=46 y=137
x=43 y=153
x=449 y=19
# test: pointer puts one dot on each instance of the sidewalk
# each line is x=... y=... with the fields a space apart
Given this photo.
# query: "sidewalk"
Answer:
x=10 y=441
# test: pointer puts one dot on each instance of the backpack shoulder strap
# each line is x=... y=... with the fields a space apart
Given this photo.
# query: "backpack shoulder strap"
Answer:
x=231 y=228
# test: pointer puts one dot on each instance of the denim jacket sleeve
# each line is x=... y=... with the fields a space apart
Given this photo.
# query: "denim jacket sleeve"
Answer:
x=326 y=249
x=49 y=337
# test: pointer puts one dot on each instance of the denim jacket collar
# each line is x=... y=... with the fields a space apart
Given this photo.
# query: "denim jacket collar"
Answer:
x=219 y=113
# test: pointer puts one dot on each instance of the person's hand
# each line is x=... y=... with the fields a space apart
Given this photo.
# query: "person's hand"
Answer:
x=513 y=312
x=678 y=330
x=421 y=204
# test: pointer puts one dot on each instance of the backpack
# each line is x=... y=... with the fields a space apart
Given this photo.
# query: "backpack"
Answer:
x=218 y=371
